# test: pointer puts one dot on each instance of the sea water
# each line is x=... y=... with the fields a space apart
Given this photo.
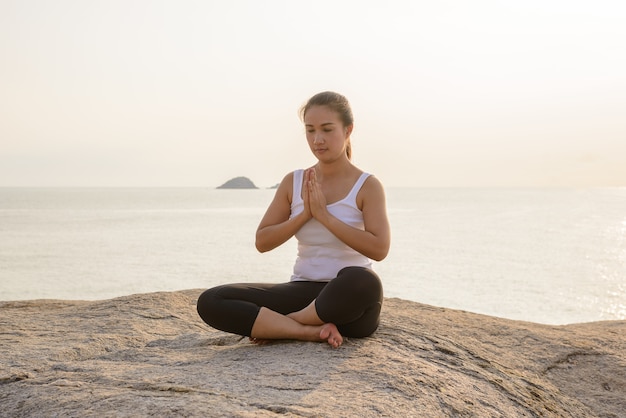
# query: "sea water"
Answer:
x=553 y=256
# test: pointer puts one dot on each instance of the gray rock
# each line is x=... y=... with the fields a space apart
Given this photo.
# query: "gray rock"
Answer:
x=150 y=354
x=238 y=183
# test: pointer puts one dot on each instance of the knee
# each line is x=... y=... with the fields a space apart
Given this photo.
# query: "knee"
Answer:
x=360 y=273
x=207 y=303
x=362 y=329
x=362 y=278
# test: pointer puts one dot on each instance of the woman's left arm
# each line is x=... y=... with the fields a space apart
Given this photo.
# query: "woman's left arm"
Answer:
x=374 y=241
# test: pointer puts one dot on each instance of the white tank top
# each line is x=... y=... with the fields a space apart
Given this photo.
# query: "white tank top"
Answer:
x=320 y=253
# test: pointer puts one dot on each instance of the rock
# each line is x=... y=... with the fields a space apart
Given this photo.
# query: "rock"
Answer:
x=150 y=354
x=238 y=183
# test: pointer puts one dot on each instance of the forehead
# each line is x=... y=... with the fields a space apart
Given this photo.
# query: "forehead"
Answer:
x=319 y=115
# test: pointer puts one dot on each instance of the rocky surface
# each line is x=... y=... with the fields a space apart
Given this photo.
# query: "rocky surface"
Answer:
x=238 y=183
x=150 y=354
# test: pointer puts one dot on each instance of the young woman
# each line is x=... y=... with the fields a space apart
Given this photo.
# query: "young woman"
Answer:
x=338 y=215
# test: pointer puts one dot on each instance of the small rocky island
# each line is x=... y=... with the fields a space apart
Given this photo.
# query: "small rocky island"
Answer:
x=238 y=183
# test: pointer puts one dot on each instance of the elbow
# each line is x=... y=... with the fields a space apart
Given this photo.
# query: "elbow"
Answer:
x=260 y=246
x=380 y=254
x=258 y=243
x=262 y=249
x=379 y=257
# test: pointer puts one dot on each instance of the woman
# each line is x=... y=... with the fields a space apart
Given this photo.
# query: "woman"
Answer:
x=338 y=215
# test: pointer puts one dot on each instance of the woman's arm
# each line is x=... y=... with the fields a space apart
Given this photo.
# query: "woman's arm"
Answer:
x=276 y=228
x=374 y=241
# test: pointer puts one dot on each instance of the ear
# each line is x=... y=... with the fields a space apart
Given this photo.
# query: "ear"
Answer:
x=349 y=130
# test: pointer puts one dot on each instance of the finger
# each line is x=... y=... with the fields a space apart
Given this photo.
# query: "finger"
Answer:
x=313 y=175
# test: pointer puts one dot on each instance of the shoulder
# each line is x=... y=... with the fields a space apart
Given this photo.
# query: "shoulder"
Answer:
x=372 y=184
x=372 y=190
x=285 y=188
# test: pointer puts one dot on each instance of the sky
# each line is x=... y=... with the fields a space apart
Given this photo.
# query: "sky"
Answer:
x=447 y=93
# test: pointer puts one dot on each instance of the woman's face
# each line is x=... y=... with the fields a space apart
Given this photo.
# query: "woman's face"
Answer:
x=325 y=133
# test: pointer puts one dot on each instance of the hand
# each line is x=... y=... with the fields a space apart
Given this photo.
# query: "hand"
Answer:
x=305 y=197
x=316 y=199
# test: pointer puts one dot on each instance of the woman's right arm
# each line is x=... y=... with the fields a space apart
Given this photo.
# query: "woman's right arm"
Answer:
x=276 y=227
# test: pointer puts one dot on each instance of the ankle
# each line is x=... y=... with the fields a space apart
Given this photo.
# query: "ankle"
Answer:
x=306 y=316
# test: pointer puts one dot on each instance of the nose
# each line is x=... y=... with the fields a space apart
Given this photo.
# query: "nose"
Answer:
x=318 y=138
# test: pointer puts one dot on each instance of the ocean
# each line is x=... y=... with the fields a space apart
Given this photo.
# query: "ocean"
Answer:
x=552 y=256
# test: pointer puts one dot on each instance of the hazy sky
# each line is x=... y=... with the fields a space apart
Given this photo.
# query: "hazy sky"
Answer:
x=192 y=93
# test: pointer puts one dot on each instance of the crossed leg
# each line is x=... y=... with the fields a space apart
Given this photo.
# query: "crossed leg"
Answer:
x=302 y=325
x=308 y=311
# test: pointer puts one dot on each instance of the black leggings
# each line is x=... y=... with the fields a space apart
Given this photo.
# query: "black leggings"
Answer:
x=352 y=301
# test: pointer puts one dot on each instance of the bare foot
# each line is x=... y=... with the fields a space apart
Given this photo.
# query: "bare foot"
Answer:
x=330 y=334
x=259 y=341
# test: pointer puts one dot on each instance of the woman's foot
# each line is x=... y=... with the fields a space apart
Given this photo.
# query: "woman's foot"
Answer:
x=327 y=332
x=331 y=335
x=259 y=341
x=270 y=325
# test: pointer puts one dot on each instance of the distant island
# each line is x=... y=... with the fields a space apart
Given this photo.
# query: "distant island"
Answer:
x=238 y=183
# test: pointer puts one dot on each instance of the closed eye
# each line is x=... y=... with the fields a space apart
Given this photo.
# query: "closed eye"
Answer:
x=326 y=127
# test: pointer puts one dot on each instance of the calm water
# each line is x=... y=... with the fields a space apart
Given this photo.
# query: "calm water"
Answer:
x=553 y=256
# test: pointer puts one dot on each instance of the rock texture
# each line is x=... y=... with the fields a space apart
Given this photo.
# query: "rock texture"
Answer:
x=238 y=183
x=150 y=354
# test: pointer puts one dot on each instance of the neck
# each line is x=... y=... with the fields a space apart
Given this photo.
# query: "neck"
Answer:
x=335 y=169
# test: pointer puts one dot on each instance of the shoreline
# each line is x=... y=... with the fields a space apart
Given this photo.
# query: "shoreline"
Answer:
x=200 y=290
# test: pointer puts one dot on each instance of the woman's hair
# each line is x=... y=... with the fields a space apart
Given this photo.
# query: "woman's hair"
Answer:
x=337 y=103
